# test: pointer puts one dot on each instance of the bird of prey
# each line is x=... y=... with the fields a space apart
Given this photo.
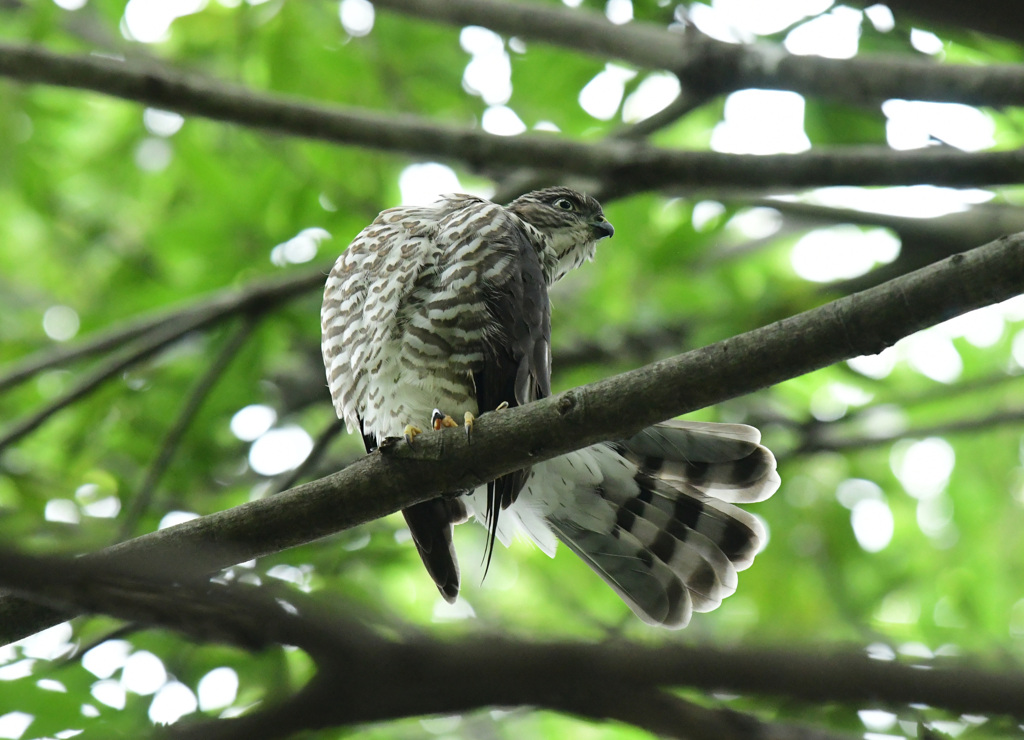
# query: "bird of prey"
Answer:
x=442 y=310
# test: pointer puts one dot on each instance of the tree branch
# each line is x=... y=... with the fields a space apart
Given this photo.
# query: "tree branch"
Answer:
x=385 y=482
x=189 y=408
x=158 y=339
x=632 y=166
x=818 y=439
x=156 y=334
x=705 y=64
x=257 y=297
x=994 y=17
x=366 y=676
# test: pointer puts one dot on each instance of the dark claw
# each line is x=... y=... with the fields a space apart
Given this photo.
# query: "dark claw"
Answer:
x=440 y=420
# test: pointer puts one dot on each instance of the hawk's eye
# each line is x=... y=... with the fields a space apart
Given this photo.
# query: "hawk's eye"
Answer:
x=565 y=204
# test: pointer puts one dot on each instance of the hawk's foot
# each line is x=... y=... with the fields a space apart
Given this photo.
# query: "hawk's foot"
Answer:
x=410 y=432
x=441 y=421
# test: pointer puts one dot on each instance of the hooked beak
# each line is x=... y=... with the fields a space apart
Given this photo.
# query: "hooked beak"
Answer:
x=602 y=228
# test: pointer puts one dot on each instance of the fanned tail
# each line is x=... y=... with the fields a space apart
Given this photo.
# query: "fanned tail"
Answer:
x=652 y=515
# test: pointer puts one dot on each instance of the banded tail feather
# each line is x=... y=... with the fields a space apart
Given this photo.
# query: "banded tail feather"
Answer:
x=726 y=460
x=653 y=515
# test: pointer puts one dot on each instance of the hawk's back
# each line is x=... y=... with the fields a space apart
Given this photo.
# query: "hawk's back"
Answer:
x=405 y=314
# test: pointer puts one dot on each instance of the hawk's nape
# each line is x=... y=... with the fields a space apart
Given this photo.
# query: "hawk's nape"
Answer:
x=446 y=306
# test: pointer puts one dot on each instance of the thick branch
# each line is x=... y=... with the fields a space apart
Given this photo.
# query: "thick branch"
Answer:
x=632 y=166
x=708 y=65
x=382 y=483
x=364 y=676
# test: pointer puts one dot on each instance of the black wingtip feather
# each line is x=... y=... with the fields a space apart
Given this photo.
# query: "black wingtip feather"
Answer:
x=491 y=519
x=501 y=494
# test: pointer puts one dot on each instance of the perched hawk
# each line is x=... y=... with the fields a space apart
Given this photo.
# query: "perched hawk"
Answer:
x=446 y=307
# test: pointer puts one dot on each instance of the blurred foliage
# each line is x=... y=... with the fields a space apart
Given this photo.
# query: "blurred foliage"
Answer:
x=109 y=217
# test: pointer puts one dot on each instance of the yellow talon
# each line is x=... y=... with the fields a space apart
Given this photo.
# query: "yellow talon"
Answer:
x=501 y=406
x=411 y=432
x=468 y=423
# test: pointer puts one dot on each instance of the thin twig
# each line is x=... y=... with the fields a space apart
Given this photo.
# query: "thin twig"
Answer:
x=141 y=500
x=208 y=310
x=323 y=441
x=125 y=630
x=816 y=441
x=160 y=338
x=59 y=355
x=161 y=335
x=512 y=184
x=683 y=104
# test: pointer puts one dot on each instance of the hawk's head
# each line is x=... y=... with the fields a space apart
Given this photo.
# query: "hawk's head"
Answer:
x=571 y=223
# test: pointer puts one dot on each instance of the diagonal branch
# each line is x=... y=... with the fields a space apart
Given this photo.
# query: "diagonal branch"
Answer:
x=708 y=65
x=382 y=483
x=189 y=408
x=159 y=339
x=155 y=334
x=633 y=166
x=254 y=298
